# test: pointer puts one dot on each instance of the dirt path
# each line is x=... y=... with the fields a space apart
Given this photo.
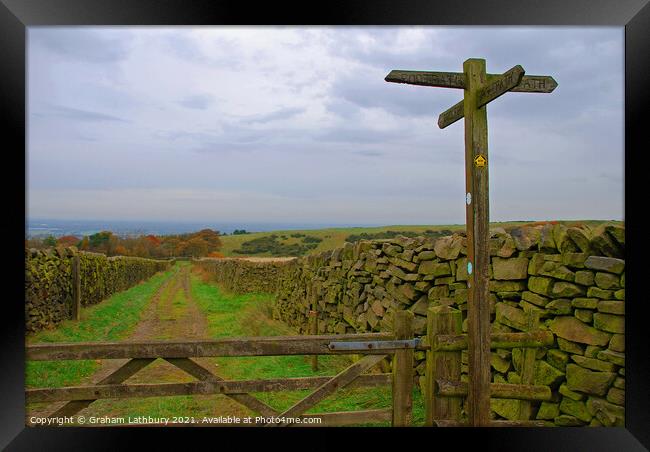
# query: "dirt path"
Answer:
x=172 y=314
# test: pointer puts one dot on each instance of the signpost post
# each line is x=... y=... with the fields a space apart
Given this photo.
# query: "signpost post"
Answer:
x=479 y=88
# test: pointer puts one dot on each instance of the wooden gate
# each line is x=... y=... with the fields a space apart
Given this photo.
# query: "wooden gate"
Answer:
x=444 y=391
x=375 y=346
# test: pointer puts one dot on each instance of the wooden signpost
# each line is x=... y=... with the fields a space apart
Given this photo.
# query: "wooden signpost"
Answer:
x=479 y=88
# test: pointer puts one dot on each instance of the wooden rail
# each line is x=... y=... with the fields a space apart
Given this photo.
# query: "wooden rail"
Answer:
x=123 y=391
x=264 y=346
x=499 y=390
x=456 y=342
x=242 y=346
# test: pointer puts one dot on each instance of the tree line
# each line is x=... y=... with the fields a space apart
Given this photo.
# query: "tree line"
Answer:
x=204 y=243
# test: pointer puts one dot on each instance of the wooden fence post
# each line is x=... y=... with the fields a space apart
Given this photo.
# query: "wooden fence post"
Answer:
x=441 y=365
x=313 y=329
x=528 y=364
x=403 y=371
x=76 y=287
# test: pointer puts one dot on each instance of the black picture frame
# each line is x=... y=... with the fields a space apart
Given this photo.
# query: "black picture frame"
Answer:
x=16 y=15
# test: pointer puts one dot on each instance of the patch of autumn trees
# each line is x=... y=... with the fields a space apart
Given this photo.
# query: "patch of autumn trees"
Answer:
x=205 y=242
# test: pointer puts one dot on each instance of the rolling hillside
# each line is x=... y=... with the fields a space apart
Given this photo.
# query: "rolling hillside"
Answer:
x=334 y=237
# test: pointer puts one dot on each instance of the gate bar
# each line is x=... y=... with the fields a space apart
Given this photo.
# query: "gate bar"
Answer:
x=375 y=345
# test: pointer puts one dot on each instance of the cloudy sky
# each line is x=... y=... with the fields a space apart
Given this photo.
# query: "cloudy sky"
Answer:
x=296 y=124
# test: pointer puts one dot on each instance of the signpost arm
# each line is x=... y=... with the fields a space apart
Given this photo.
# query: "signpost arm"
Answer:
x=477 y=214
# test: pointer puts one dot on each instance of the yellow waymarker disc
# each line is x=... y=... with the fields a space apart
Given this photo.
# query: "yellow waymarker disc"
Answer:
x=480 y=161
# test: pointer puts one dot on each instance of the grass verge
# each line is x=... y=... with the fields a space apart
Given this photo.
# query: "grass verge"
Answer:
x=112 y=319
x=250 y=315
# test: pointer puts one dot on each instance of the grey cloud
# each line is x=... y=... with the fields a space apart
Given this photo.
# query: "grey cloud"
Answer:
x=77 y=114
x=381 y=56
x=297 y=83
x=242 y=135
x=368 y=153
x=197 y=101
x=87 y=138
x=242 y=143
x=60 y=174
x=446 y=48
x=612 y=177
x=182 y=45
x=283 y=113
x=250 y=137
x=342 y=107
x=220 y=147
x=358 y=135
x=525 y=160
x=228 y=134
x=175 y=135
x=84 y=44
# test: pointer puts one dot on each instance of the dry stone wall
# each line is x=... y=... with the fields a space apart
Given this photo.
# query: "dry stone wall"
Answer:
x=243 y=275
x=48 y=281
x=573 y=277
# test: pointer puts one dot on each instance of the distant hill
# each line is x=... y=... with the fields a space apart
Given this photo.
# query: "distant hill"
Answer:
x=307 y=241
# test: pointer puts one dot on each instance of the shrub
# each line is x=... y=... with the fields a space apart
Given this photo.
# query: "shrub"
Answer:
x=270 y=244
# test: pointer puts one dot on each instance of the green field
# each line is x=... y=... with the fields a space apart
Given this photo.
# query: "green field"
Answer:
x=336 y=237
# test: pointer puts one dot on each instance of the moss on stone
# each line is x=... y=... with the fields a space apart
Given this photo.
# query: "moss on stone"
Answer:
x=590 y=382
x=575 y=408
